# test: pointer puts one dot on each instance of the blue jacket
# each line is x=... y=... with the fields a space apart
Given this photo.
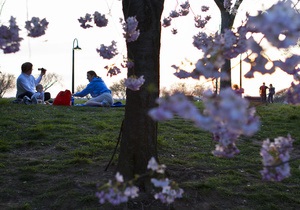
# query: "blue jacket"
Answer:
x=96 y=87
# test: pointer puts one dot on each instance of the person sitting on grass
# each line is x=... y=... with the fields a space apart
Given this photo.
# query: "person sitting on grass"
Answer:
x=101 y=95
x=26 y=84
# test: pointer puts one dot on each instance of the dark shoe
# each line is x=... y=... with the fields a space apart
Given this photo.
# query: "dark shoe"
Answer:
x=17 y=101
x=34 y=100
x=26 y=100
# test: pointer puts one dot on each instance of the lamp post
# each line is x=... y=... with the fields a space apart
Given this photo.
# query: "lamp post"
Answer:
x=241 y=71
x=73 y=59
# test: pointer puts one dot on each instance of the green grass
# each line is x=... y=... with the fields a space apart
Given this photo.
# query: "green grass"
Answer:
x=53 y=157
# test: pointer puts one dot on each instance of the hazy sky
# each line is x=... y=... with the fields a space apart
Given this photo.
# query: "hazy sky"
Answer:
x=53 y=51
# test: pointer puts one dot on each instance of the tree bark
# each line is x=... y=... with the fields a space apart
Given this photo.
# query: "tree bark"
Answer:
x=227 y=20
x=139 y=137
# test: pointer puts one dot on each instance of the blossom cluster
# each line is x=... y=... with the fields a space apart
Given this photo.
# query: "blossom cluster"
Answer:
x=201 y=22
x=275 y=28
x=183 y=11
x=130 y=27
x=99 y=19
x=127 y=64
x=118 y=191
x=215 y=49
x=108 y=52
x=170 y=190
x=9 y=37
x=134 y=83
x=36 y=27
x=275 y=158
x=112 y=70
x=226 y=116
x=293 y=94
x=84 y=21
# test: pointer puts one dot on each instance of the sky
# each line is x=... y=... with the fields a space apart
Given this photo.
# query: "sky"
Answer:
x=53 y=51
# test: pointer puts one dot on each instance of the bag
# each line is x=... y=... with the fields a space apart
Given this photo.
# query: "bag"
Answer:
x=63 y=98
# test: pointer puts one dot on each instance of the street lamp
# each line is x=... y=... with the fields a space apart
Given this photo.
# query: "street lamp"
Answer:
x=73 y=59
x=241 y=70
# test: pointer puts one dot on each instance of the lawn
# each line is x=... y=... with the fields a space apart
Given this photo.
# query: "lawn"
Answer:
x=53 y=157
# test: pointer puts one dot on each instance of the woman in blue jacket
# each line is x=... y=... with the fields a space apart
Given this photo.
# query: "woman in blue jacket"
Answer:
x=101 y=95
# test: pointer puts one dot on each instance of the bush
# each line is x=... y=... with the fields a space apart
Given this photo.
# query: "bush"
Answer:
x=7 y=82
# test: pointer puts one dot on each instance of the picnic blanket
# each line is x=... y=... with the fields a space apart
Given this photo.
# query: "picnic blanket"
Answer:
x=116 y=104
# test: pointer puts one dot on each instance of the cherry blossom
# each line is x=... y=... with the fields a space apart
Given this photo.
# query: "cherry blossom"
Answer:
x=108 y=52
x=275 y=158
x=134 y=83
x=85 y=20
x=36 y=27
x=9 y=37
x=130 y=27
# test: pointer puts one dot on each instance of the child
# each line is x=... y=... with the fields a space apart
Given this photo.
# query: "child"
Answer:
x=39 y=94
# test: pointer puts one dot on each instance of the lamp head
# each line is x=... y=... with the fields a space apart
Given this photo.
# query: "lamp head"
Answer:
x=77 y=48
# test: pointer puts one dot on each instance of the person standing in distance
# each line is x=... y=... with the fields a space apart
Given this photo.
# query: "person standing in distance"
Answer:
x=263 y=92
x=271 y=94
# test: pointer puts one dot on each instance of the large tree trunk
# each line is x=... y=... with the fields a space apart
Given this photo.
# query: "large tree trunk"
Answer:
x=139 y=137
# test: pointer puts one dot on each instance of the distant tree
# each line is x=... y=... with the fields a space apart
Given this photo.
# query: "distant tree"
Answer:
x=163 y=92
x=281 y=96
x=198 y=90
x=50 y=79
x=118 y=89
x=180 y=88
x=7 y=82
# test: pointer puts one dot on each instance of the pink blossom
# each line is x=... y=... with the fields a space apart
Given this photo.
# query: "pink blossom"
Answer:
x=174 y=14
x=169 y=194
x=174 y=31
x=204 y=8
x=9 y=37
x=167 y=22
x=130 y=27
x=154 y=166
x=84 y=21
x=200 y=23
x=134 y=83
x=185 y=5
x=226 y=116
x=127 y=64
x=119 y=177
x=108 y=52
x=131 y=192
x=100 y=20
x=293 y=94
x=36 y=27
x=275 y=158
x=112 y=70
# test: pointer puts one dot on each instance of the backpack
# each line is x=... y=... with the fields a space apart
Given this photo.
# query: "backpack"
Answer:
x=63 y=98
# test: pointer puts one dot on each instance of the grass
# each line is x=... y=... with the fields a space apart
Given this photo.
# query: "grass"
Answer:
x=53 y=157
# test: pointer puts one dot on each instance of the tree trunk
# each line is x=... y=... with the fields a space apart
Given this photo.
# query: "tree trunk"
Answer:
x=227 y=23
x=227 y=20
x=139 y=137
